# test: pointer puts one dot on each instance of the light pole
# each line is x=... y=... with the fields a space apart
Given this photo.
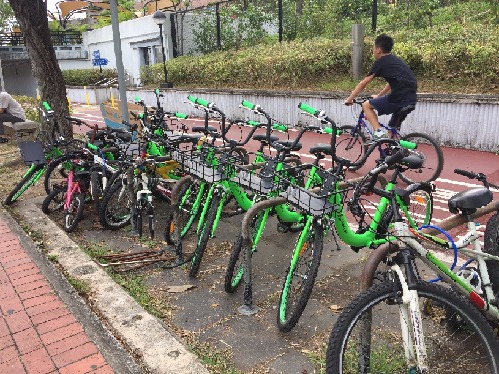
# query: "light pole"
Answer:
x=159 y=19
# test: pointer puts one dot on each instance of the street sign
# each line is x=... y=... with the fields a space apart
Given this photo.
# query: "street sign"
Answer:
x=99 y=61
x=96 y=54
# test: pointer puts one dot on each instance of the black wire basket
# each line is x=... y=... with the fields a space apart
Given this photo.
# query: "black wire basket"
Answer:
x=316 y=201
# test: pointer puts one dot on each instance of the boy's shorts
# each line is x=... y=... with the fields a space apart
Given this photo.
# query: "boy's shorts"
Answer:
x=383 y=106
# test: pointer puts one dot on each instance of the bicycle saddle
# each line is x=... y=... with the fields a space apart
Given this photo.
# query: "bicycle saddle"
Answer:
x=468 y=201
x=399 y=117
x=320 y=148
x=412 y=161
x=288 y=143
x=263 y=138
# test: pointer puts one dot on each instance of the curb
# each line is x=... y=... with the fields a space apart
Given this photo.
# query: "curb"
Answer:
x=142 y=333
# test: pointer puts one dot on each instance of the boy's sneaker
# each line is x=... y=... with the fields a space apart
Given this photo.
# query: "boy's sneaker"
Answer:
x=379 y=134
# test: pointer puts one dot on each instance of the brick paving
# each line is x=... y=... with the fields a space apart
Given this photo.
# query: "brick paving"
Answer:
x=38 y=333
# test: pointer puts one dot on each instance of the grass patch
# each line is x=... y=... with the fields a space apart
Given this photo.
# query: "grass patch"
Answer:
x=79 y=285
x=53 y=258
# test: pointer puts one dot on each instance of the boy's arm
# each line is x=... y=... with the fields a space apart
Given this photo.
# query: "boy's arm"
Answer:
x=384 y=91
x=358 y=89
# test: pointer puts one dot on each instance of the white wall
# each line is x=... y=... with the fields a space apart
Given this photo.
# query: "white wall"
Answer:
x=135 y=34
x=18 y=79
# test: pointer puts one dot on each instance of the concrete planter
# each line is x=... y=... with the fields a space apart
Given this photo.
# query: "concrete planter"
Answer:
x=91 y=94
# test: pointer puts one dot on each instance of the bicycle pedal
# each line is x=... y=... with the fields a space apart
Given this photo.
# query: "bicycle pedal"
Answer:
x=282 y=228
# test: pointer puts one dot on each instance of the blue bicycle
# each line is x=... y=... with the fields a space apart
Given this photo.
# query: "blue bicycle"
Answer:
x=355 y=140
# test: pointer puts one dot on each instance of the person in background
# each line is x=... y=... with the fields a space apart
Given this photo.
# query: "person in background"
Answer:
x=10 y=111
x=399 y=91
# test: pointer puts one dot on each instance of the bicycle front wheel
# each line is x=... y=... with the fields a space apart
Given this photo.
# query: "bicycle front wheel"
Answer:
x=433 y=159
x=205 y=234
x=235 y=268
x=351 y=144
x=368 y=338
x=74 y=213
x=300 y=277
x=491 y=246
x=115 y=207
x=28 y=180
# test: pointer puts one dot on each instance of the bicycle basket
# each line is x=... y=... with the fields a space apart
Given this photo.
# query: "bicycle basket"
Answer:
x=316 y=201
x=194 y=164
x=32 y=152
x=263 y=181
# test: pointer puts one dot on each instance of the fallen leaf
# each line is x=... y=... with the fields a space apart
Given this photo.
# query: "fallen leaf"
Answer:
x=335 y=308
x=177 y=289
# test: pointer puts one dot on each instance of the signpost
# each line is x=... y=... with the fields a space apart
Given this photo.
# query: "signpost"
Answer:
x=98 y=61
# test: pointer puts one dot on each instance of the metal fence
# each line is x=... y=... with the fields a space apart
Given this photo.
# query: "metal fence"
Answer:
x=58 y=38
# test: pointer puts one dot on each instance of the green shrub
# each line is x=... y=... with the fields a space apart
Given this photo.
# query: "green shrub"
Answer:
x=30 y=106
x=86 y=77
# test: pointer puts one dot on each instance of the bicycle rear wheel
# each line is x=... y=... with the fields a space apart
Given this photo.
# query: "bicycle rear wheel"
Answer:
x=367 y=336
x=300 y=277
x=432 y=155
x=351 y=144
x=28 y=180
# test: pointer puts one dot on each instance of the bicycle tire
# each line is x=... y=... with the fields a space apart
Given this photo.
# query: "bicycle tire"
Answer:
x=204 y=235
x=150 y=217
x=96 y=189
x=420 y=209
x=187 y=213
x=28 y=180
x=491 y=246
x=138 y=223
x=235 y=271
x=56 y=172
x=54 y=201
x=351 y=147
x=379 y=306
x=115 y=208
x=433 y=157
x=298 y=284
x=74 y=213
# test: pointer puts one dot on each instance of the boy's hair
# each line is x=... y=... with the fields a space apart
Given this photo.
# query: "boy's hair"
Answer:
x=385 y=42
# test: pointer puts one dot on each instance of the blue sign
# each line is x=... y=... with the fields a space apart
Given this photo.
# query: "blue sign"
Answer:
x=96 y=54
x=99 y=61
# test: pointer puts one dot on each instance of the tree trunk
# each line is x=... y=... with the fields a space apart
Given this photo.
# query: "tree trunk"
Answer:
x=32 y=18
x=299 y=7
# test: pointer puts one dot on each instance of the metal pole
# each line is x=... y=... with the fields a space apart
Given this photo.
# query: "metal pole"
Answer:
x=357 y=50
x=279 y=3
x=374 y=15
x=166 y=84
x=219 y=41
x=119 y=59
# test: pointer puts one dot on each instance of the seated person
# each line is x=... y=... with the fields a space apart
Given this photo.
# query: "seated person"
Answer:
x=10 y=111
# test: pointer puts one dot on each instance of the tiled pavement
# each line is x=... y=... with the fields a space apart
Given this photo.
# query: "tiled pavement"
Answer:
x=38 y=333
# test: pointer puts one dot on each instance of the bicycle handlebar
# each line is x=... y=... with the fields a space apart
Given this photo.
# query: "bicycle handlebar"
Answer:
x=478 y=176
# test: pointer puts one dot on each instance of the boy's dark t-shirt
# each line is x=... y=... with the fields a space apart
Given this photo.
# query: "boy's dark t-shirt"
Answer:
x=400 y=78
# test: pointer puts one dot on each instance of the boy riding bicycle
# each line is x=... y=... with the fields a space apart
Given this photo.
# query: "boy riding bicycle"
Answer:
x=400 y=79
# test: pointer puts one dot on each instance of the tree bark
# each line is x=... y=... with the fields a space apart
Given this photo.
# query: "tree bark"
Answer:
x=32 y=18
